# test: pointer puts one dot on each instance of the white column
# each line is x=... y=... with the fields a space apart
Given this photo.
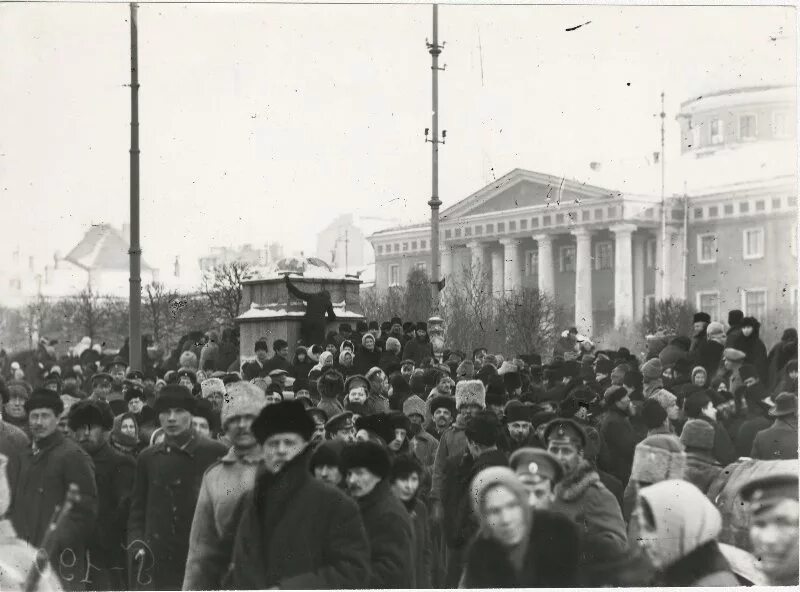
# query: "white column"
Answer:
x=583 y=281
x=623 y=274
x=668 y=289
x=497 y=272
x=476 y=260
x=512 y=262
x=446 y=255
x=545 y=268
x=639 y=246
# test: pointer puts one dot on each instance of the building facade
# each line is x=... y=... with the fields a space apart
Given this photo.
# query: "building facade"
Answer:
x=730 y=242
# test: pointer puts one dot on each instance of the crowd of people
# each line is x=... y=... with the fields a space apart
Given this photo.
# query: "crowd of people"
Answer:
x=365 y=461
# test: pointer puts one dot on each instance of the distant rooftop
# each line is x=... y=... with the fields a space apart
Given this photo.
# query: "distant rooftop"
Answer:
x=102 y=247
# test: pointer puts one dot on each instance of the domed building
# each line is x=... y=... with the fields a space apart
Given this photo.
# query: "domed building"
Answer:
x=730 y=240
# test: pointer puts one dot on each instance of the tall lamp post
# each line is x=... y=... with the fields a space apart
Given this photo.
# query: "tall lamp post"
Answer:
x=135 y=251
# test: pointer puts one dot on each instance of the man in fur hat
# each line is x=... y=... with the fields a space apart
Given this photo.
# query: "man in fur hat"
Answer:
x=443 y=413
x=91 y=422
x=700 y=323
x=165 y=493
x=389 y=529
x=470 y=399
x=295 y=532
x=60 y=462
x=518 y=418
x=224 y=484
x=406 y=478
x=423 y=444
x=330 y=387
x=581 y=495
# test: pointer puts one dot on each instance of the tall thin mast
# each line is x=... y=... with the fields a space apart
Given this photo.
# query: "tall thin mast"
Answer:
x=435 y=49
x=664 y=255
x=135 y=252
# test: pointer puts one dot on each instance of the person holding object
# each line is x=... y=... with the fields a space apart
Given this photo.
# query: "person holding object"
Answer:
x=318 y=305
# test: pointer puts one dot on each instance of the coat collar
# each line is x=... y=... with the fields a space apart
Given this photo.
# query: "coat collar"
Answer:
x=51 y=441
x=189 y=448
x=251 y=457
x=578 y=482
x=376 y=496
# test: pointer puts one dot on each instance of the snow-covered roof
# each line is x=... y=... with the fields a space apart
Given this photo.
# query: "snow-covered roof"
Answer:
x=738 y=97
x=102 y=247
x=260 y=312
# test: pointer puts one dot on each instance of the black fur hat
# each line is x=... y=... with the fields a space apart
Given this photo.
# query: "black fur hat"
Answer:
x=174 y=396
x=42 y=398
x=367 y=455
x=281 y=418
x=90 y=413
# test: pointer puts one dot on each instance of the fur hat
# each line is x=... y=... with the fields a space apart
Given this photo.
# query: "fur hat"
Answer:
x=211 y=386
x=134 y=393
x=41 y=398
x=470 y=392
x=355 y=381
x=652 y=370
x=653 y=414
x=698 y=434
x=517 y=411
x=658 y=458
x=490 y=477
x=421 y=326
x=367 y=455
x=512 y=381
x=483 y=428
x=188 y=360
x=19 y=389
x=414 y=405
x=665 y=398
x=404 y=465
x=604 y=365
x=701 y=317
x=242 y=398
x=174 y=396
x=399 y=421
x=735 y=317
x=715 y=330
x=379 y=424
x=366 y=336
x=281 y=418
x=327 y=454
x=393 y=345
x=614 y=394
x=448 y=403
x=90 y=413
x=330 y=385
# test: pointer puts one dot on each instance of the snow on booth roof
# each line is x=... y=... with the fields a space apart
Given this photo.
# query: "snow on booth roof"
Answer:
x=306 y=267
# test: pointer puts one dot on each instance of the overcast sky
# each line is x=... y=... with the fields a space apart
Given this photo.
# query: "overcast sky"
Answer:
x=262 y=123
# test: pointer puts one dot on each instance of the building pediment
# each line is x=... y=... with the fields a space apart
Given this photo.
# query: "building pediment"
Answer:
x=523 y=189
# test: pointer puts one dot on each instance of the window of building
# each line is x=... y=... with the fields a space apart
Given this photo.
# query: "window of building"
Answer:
x=534 y=222
x=776 y=203
x=489 y=228
x=458 y=232
x=760 y=205
x=612 y=212
x=380 y=249
x=598 y=214
x=780 y=124
x=413 y=245
x=709 y=302
x=698 y=213
x=753 y=243
x=423 y=244
x=717 y=135
x=566 y=258
x=532 y=263
x=501 y=227
x=478 y=229
x=603 y=255
x=397 y=247
x=448 y=233
x=713 y=211
x=512 y=226
x=707 y=248
x=468 y=231
x=405 y=246
x=422 y=266
x=559 y=218
x=523 y=224
x=747 y=127
x=754 y=303
x=585 y=214
x=650 y=253
x=545 y=220
x=744 y=207
x=728 y=209
x=394 y=275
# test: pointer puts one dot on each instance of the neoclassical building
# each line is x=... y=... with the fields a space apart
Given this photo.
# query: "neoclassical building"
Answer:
x=730 y=243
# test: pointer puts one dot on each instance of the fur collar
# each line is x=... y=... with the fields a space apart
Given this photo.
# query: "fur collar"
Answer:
x=578 y=482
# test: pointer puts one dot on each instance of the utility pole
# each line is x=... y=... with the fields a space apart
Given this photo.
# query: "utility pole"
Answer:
x=346 y=248
x=663 y=116
x=435 y=50
x=135 y=252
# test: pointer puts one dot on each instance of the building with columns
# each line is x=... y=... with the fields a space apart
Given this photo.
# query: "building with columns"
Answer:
x=730 y=241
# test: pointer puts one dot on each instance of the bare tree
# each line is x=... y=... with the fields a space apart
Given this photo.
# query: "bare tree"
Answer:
x=381 y=305
x=418 y=300
x=672 y=316
x=527 y=319
x=157 y=299
x=222 y=287
x=468 y=311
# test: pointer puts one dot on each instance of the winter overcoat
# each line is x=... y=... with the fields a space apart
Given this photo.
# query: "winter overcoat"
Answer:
x=224 y=484
x=582 y=497
x=296 y=532
x=165 y=492
x=418 y=350
x=42 y=484
x=422 y=545
x=620 y=439
x=550 y=561
x=14 y=443
x=390 y=533
x=778 y=442
x=114 y=473
x=746 y=434
x=701 y=470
